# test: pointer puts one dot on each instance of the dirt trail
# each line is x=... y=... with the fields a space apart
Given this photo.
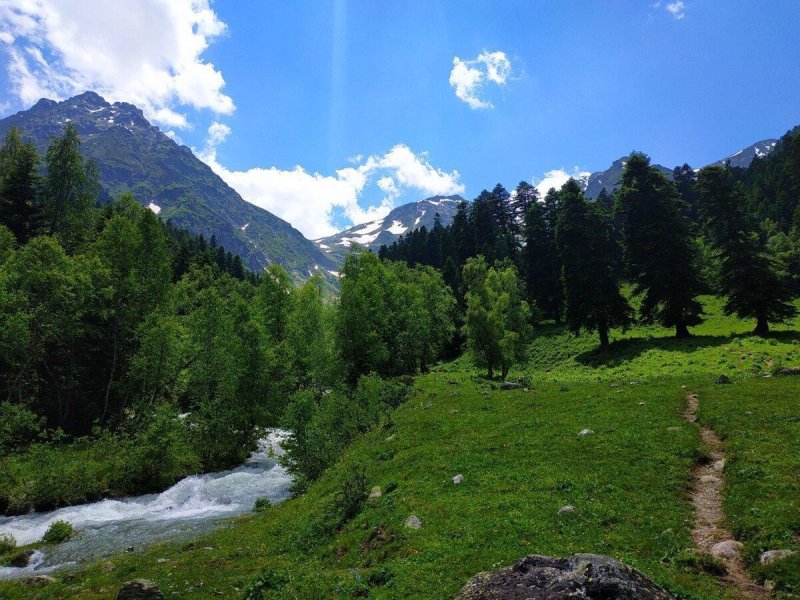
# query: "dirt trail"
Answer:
x=707 y=483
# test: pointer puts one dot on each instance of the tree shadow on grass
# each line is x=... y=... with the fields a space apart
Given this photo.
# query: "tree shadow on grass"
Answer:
x=623 y=351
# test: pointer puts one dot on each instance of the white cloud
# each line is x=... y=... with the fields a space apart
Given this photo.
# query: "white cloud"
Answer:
x=307 y=200
x=469 y=77
x=677 y=9
x=147 y=52
x=557 y=178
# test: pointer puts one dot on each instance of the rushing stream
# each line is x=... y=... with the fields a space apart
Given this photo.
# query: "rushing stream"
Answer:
x=192 y=506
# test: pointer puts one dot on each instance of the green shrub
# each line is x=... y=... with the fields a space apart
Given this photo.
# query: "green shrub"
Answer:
x=58 y=532
x=7 y=543
x=18 y=426
x=352 y=494
x=262 y=504
x=266 y=585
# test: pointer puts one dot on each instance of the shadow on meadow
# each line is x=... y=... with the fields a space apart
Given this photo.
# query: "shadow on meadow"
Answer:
x=622 y=351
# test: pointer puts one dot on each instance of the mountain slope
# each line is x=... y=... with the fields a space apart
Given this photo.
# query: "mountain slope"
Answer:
x=745 y=156
x=134 y=156
x=609 y=179
x=402 y=219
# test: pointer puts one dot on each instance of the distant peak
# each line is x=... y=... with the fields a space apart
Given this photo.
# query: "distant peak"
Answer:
x=44 y=103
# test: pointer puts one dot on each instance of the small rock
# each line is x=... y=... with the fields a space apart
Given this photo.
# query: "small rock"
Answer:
x=391 y=437
x=585 y=432
x=38 y=580
x=108 y=566
x=458 y=479
x=789 y=371
x=709 y=479
x=722 y=379
x=673 y=428
x=162 y=560
x=772 y=555
x=129 y=549
x=641 y=403
x=208 y=547
x=413 y=522
x=453 y=382
x=140 y=589
x=375 y=492
x=729 y=549
x=566 y=509
x=719 y=465
x=21 y=559
x=509 y=385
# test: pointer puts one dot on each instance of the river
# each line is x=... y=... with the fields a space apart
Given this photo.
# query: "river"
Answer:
x=191 y=507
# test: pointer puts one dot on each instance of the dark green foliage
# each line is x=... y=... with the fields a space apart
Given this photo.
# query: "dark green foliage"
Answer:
x=18 y=426
x=658 y=253
x=20 y=186
x=261 y=504
x=541 y=266
x=7 y=544
x=58 y=532
x=267 y=585
x=587 y=251
x=748 y=276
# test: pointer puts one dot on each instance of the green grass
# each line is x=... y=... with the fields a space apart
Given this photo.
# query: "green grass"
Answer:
x=759 y=422
x=522 y=459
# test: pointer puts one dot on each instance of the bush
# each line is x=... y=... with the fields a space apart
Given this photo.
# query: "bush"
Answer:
x=58 y=532
x=262 y=504
x=18 y=426
x=325 y=425
x=7 y=543
x=352 y=494
x=263 y=586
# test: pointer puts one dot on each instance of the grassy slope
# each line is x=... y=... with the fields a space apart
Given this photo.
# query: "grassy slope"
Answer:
x=521 y=459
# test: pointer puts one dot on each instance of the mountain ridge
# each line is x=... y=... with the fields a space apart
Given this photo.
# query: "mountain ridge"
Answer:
x=132 y=155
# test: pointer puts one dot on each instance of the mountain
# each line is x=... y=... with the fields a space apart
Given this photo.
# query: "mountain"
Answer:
x=609 y=179
x=402 y=219
x=134 y=156
x=745 y=156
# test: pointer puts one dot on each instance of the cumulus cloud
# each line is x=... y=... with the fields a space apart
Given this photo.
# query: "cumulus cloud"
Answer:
x=677 y=9
x=557 y=178
x=308 y=200
x=469 y=77
x=148 y=52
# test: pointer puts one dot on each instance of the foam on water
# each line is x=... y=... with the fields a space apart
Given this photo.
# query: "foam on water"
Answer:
x=193 y=505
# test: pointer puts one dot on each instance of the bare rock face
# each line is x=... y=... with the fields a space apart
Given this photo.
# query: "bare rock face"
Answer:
x=140 y=589
x=579 y=577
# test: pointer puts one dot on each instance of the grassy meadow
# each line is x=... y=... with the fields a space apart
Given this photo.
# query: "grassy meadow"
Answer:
x=522 y=460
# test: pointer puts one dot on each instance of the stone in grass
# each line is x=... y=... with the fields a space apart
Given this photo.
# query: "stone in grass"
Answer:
x=509 y=385
x=413 y=522
x=789 y=371
x=771 y=556
x=140 y=589
x=375 y=492
x=585 y=432
x=727 y=550
x=547 y=578
x=458 y=479
x=566 y=509
x=722 y=379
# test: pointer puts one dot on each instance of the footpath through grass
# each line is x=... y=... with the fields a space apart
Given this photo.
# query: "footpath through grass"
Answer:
x=759 y=422
x=522 y=461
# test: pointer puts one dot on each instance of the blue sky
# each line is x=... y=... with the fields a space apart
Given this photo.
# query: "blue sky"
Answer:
x=329 y=113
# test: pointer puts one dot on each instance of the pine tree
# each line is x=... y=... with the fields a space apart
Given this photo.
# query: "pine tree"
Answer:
x=70 y=190
x=658 y=251
x=747 y=275
x=19 y=185
x=587 y=250
x=540 y=263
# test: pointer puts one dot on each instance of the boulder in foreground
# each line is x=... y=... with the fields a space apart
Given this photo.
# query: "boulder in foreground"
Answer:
x=579 y=577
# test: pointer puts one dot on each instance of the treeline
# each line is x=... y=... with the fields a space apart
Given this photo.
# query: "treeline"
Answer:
x=734 y=232
x=113 y=321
